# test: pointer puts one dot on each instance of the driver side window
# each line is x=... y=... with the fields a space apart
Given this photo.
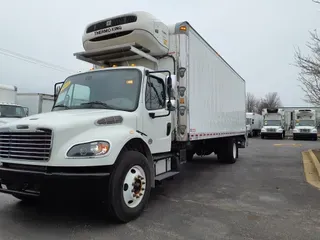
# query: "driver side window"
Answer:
x=155 y=94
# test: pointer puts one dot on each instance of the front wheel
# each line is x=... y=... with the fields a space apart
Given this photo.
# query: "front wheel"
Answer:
x=129 y=186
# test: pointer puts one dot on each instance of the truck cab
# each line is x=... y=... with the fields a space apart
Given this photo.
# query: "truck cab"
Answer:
x=248 y=126
x=305 y=126
x=10 y=112
x=273 y=123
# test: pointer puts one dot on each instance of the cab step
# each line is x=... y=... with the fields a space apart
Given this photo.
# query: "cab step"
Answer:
x=163 y=176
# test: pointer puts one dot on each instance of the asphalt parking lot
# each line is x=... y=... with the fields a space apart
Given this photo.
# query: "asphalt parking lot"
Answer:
x=263 y=196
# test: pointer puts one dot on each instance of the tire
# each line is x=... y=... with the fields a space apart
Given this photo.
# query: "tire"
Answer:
x=190 y=155
x=281 y=136
x=121 y=202
x=229 y=153
x=26 y=199
x=262 y=136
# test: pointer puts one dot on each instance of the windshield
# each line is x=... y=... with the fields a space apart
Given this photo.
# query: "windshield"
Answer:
x=112 y=89
x=12 y=111
x=272 y=123
x=309 y=123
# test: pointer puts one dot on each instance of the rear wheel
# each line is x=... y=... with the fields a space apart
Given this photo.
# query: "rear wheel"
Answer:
x=229 y=153
x=129 y=186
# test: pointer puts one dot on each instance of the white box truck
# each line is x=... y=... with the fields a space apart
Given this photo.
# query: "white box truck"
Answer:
x=254 y=124
x=36 y=102
x=162 y=95
x=273 y=123
x=305 y=126
x=9 y=109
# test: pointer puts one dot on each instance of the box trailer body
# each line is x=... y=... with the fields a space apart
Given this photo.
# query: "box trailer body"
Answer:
x=158 y=95
x=36 y=102
x=273 y=123
x=9 y=109
x=305 y=125
x=254 y=123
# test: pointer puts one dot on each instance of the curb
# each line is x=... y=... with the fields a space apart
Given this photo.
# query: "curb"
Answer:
x=315 y=161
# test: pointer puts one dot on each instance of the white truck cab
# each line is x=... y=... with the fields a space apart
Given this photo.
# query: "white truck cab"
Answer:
x=10 y=112
x=305 y=126
x=273 y=123
x=9 y=109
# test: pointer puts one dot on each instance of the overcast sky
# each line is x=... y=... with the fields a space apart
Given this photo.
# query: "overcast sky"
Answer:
x=257 y=37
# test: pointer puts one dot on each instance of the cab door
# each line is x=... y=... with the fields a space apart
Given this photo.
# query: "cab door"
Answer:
x=157 y=119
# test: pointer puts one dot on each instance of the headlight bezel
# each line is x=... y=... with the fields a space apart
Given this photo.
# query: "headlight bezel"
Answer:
x=88 y=146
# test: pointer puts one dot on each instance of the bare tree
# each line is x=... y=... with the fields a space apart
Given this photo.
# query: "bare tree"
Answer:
x=251 y=103
x=309 y=65
x=309 y=75
x=270 y=100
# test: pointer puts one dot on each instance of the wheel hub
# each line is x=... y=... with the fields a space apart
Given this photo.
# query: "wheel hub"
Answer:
x=134 y=186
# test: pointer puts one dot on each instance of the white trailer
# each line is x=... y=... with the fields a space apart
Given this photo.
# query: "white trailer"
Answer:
x=36 y=102
x=162 y=94
x=254 y=123
x=9 y=109
x=305 y=125
x=273 y=123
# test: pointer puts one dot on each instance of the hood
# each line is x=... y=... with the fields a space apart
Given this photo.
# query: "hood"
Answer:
x=7 y=120
x=305 y=127
x=66 y=119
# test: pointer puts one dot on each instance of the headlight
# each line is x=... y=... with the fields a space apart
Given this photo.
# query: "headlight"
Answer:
x=91 y=149
x=314 y=130
x=263 y=130
x=279 y=130
x=295 y=130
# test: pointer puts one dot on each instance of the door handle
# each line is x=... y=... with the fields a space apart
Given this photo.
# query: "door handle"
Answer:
x=168 y=128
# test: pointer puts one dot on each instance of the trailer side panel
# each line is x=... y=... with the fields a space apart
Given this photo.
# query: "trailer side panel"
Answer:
x=216 y=93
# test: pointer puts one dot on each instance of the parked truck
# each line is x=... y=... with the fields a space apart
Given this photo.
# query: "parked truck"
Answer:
x=273 y=123
x=161 y=95
x=36 y=102
x=9 y=109
x=305 y=125
x=254 y=124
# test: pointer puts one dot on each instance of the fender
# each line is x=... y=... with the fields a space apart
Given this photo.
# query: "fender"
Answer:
x=116 y=135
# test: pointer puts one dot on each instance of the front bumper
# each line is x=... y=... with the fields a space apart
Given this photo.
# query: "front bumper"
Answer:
x=305 y=135
x=32 y=180
x=271 y=134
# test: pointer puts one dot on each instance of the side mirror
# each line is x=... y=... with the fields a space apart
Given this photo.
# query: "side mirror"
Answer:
x=174 y=81
x=26 y=110
x=57 y=88
x=169 y=82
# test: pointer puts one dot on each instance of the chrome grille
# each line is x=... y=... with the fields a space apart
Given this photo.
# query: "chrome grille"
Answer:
x=26 y=145
x=271 y=129
x=305 y=130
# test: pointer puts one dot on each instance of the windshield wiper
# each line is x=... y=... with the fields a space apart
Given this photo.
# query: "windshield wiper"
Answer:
x=97 y=103
x=61 y=105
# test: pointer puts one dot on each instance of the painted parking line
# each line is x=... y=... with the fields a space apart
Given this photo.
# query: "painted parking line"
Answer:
x=285 y=144
x=310 y=170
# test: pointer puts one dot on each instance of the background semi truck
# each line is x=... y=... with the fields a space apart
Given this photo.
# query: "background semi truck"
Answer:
x=161 y=95
x=254 y=124
x=9 y=109
x=36 y=102
x=305 y=125
x=273 y=123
